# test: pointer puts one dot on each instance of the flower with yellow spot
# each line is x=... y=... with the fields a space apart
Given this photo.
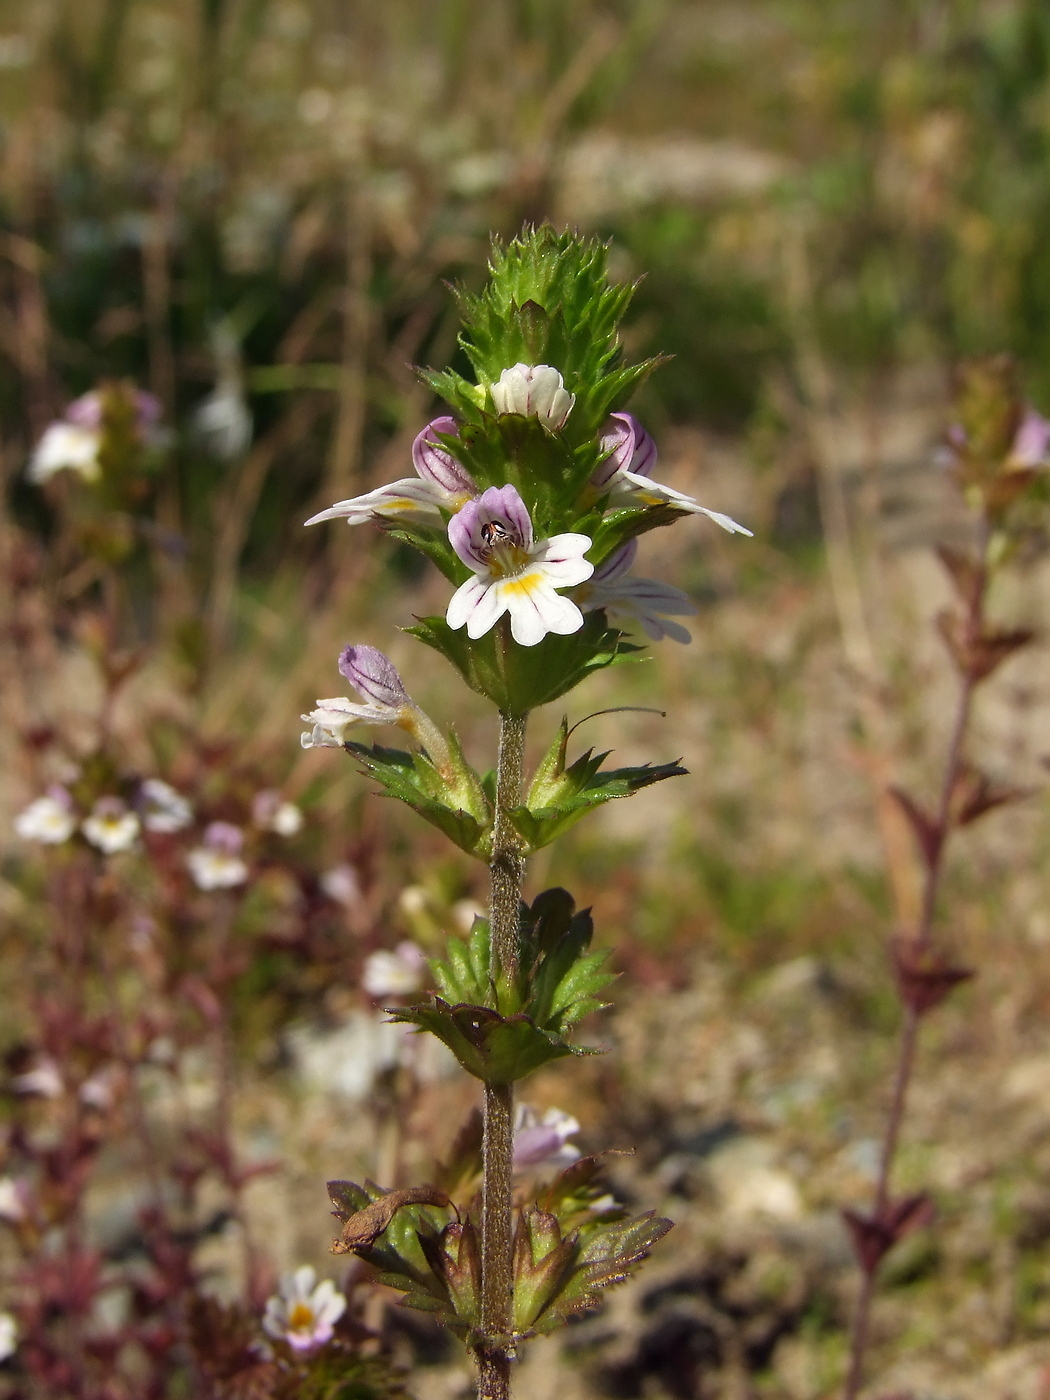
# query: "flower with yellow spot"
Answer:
x=513 y=573
x=302 y=1312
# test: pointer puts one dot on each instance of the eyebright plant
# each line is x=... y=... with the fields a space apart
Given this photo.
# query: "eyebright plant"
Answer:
x=530 y=495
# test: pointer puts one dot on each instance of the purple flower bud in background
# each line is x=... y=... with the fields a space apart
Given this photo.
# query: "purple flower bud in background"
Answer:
x=225 y=837
x=534 y=391
x=374 y=676
x=436 y=464
x=1032 y=441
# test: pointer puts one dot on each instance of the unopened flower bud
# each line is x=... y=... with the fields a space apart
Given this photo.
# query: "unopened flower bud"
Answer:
x=534 y=391
x=436 y=464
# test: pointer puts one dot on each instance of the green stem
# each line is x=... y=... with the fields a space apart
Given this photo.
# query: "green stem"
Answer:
x=497 y=1273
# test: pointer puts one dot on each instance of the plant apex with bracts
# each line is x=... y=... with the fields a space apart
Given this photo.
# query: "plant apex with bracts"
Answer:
x=530 y=494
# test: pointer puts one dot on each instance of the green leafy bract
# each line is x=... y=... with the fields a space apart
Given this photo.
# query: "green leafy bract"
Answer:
x=450 y=798
x=559 y=796
x=517 y=678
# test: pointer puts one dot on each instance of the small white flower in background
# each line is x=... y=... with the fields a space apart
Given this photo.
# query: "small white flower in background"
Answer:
x=111 y=827
x=64 y=447
x=271 y=813
x=100 y=1089
x=513 y=573
x=223 y=419
x=14 y=1200
x=49 y=819
x=642 y=600
x=73 y=441
x=464 y=913
x=543 y=1142
x=302 y=1312
x=395 y=974
x=375 y=677
x=217 y=864
x=342 y=884
x=624 y=474
x=43 y=1080
x=534 y=391
x=440 y=484
x=8 y=1336
x=163 y=809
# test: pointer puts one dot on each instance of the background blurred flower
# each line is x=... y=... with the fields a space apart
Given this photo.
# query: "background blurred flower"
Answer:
x=271 y=813
x=217 y=864
x=8 y=1336
x=163 y=809
x=111 y=827
x=394 y=974
x=49 y=819
x=42 y=1080
x=341 y=883
x=543 y=1142
x=14 y=1200
x=303 y=1313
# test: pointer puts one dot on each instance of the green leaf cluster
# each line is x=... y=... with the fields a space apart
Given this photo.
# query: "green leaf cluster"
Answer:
x=516 y=678
x=501 y=1029
x=561 y=794
x=450 y=797
x=406 y=1253
x=565 y=1253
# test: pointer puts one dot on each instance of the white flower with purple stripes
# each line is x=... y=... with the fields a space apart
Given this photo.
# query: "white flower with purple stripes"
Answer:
x=440 y=484
x=624 y=475
x=513 y=573
x=644 y=601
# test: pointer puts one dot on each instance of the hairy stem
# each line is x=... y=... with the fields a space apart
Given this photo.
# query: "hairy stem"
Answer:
x=497 y=1279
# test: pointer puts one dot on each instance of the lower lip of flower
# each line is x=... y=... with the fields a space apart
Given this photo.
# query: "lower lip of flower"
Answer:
x=523 y=584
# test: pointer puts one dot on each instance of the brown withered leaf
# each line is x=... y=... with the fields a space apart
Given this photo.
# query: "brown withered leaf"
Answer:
x=364 y=1228
x=975 y=793
x=924 y=976
x=924 y=827
x=873 y=1236
x=965 y=573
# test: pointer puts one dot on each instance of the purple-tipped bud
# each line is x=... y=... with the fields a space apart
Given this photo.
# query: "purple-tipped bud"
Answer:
x=629 y=446
x=374 y=676
x=436 y=464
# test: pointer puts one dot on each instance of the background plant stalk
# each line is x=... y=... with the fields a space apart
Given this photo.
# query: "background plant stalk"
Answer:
x=922 y=935
x=497 y=1278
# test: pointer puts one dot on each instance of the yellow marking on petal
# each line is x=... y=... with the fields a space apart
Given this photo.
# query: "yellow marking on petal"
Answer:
x=524 y=584
x=393 y=507
x=301 y=1317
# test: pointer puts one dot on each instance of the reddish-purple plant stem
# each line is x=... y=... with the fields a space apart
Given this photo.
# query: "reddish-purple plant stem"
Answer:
x=910 y=1027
